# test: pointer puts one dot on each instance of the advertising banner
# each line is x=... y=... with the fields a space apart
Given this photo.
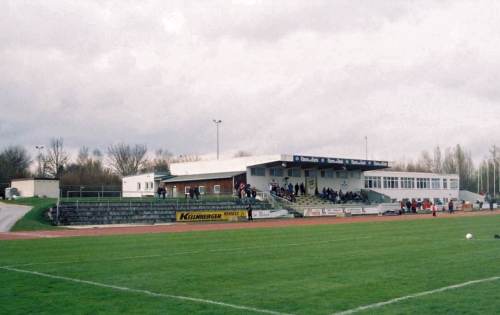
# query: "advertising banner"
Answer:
x=269 y=214
x=195 y=216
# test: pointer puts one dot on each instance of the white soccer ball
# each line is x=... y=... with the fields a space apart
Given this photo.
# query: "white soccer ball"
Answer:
x=469 y=236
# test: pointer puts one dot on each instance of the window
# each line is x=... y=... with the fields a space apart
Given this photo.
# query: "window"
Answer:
x=341 y=174
x=186 y=190
x=373 y=182
x=257 y=171
x=146 y=184
x=453 y=183
x=276 y=172
x=408 y=182
x=138 y=186
x=436 y=183
x=310 y=173
x=445 y=183
x=201 y=189
x=391 y=182
x=294 y=172
x=327 y=173
x=355 y=174
x=423 y=183
x=216 y=189
x=151 y=185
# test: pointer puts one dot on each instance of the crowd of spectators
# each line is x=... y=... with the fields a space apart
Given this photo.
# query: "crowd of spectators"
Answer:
x=341 y=197
x=288 y=192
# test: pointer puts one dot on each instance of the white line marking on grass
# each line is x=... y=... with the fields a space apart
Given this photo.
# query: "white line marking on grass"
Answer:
x=146 y=292
x=416 y=295
x=235 y=249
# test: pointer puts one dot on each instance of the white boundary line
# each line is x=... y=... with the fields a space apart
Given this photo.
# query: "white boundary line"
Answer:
x=191 y=252
x=416 y=295
x=146 y=292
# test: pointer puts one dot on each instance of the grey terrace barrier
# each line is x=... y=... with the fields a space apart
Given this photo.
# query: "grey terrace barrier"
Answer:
x=141 y=212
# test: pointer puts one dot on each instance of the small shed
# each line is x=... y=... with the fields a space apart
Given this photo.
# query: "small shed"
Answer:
x=41 y=187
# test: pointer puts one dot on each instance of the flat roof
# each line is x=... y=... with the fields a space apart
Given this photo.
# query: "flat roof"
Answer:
x=34 y=178
x=187 y=178
x=307 y=161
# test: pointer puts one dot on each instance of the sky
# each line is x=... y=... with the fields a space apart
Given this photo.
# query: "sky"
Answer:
x=310 y=77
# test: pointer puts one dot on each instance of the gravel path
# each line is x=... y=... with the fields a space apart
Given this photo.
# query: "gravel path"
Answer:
x=9 y=214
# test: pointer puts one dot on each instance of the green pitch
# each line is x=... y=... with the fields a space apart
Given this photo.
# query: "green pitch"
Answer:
x=296 y=270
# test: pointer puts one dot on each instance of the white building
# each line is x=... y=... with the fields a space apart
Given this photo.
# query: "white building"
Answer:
x=314 y=172
x=412 y=185
x=41 y=187
x=141 y=185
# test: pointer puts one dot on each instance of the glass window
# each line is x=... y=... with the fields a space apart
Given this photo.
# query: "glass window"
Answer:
x=186 y=190
x=436 y=183
x=341 y=174
x=453 y=183
x=151 y=185
x=138 y=186
x=373 y=182
x=216 y=189
x=294 y=172
x=408 y=182
x=445 y=183
x=310 y=173
x=327 y=173
x=276 y=172
x=257 y=171
x=423 y=183
x=201 y=189
x=391 y=182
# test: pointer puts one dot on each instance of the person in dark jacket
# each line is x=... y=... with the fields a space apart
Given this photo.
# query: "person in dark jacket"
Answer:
x=296 y=189
x=450 y=207
x=249 y=212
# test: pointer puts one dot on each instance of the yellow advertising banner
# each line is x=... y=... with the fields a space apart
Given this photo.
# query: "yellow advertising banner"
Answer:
x=190 y=216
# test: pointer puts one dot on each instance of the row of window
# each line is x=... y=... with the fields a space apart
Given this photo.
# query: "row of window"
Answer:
x=147 y=186
x=410 y=183
x=296 y=172
x=202 y=190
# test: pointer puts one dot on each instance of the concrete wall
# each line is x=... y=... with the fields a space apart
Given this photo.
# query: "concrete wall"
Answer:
x=37 y=187
x=26 y=188
x=416 y=193
x=48 y=188
x=148 y=185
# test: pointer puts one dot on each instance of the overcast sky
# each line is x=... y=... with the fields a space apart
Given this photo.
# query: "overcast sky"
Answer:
x=310 y=77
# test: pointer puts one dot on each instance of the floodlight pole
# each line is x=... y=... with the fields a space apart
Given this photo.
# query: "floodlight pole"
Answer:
x=217 y=123
x=40 y=148
x=366 y=147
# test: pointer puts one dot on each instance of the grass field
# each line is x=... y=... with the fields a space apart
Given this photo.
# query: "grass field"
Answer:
x=295 y=270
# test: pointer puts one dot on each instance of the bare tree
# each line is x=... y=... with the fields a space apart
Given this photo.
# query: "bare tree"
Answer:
x=161 y=162
x=56 y=158
x=126 y=160
x=14 y=163
x=437 y=163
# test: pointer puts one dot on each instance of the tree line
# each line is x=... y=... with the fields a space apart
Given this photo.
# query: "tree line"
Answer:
x=457 y=160
x=90 y=167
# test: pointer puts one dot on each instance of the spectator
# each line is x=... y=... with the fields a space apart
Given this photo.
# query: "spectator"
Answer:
x=197 y=192
x=450 y=207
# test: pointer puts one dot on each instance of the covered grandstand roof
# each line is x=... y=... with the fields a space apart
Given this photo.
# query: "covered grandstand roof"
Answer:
x=287 y=160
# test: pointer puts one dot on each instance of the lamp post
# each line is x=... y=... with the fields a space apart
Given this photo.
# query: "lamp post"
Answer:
x=40 y=171
x=366 y=147
x=217 y=123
